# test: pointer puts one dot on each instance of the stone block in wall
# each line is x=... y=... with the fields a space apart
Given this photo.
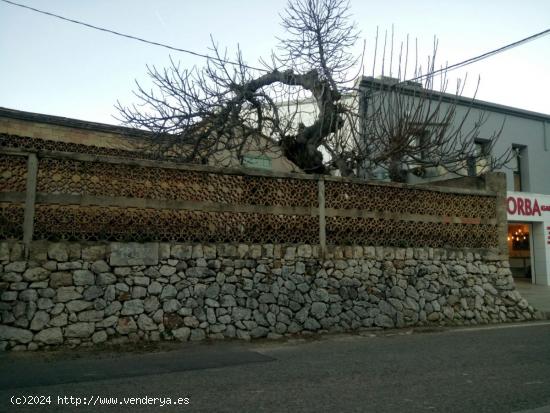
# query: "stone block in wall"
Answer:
x=182 y=252
x=4 y=251
x=17 y=334
x=94 y=253
x=58 y=252
x=133 y=253
x=164 y=250
x=17 y=251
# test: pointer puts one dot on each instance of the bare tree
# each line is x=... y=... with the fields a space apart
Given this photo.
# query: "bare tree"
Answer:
x=228 y=105
x=228 y=108
x=417 y=127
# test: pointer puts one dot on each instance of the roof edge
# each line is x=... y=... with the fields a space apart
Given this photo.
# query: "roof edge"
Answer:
x=71 y=123
x=450 y=98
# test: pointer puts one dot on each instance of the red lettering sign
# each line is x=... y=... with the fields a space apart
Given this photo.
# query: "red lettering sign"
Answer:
x=523 y=206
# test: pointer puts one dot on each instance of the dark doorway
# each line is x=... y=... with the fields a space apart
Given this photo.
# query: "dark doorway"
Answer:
x=519 y=249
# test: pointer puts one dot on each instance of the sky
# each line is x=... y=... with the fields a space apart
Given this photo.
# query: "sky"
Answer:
x=54 y=67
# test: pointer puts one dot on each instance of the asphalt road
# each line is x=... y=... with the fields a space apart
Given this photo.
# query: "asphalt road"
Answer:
x=496 y=369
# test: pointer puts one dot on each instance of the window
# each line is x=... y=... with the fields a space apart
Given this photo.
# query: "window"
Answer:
x=517 y=160
x=257 y=162
x=479 y=162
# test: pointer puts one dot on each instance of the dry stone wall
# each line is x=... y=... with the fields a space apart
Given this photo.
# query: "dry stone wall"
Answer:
x=84 y=294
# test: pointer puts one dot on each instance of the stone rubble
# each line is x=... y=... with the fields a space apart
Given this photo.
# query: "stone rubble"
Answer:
x=68 y=294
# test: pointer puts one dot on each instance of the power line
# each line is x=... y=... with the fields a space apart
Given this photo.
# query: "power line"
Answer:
x=484 y=55
x=435 y=72
x=128 y=36
x=470 y=60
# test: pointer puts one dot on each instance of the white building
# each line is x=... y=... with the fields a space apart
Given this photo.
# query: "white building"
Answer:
x=526 y=136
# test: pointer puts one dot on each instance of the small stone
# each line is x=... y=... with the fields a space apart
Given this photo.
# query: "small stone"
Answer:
x=79 y=330
x=167 y=270
x=91 y=315
x=28 y=295
x=19 y=286
x=139 y=292
x=36 y=274
x=93 y=292
x=169 y=291
x=211 y=303
x=398 y=292
x=239 y=313
x=107 y=322
x=65 y=266
x=59 y=321
x=113 y=308
x=57 y=309
x=61 y=279
x=99 y=337
x=433 y=316
x=197 y=334
x=50 y=336
x=142 y=281
x=382 y=320
x=38 y=285
x=83 y=277
x=17 y=266
x=9 y=295
x=11 y=277
x=318 y=309
x=150 y=304
x=312 y=324
x=155 y=288
x=267 y=299
x=146 y=323
x=125 y=271
x=105 y=279
x=50 y=265
x=100 y=266
x=258 y=332
x=182 y=334
x=132 y=307
x=39 y=321
x=212 y=291
x=171 y=306
x=126 y=325
x=76 y=306
x=16 y=334
x=228 y=301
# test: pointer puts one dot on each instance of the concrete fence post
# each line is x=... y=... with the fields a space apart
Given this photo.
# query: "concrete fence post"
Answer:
x=322 y=217
x=496 y=182
x=30 y=198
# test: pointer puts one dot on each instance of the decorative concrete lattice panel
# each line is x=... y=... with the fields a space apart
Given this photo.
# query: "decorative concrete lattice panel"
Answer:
x=11 y=220
x=83 y=197
x=13 y=173
x=35 y=144
x=104 y=179
x=402 y=200
x=73 y=222
x=361 y=231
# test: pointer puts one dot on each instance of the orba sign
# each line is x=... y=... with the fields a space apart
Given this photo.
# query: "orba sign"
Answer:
x=523 y=206
x=528 y=206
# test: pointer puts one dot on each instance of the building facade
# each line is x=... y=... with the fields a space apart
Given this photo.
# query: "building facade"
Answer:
x=525 y=140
